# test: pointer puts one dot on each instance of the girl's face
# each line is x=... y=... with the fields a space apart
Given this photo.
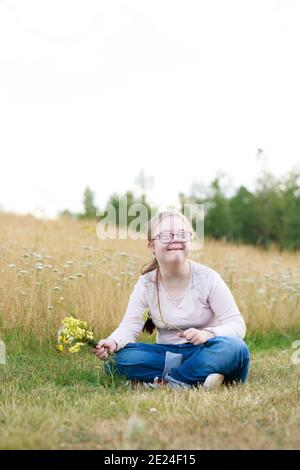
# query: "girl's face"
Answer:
x=173 y=251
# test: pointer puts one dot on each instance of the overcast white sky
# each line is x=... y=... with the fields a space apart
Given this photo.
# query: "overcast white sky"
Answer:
x=93 y=91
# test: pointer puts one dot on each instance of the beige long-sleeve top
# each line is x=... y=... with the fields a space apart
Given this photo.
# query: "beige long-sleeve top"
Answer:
x=207 y=303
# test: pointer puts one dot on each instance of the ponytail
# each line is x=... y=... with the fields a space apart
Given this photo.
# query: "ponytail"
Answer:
x=149 y=326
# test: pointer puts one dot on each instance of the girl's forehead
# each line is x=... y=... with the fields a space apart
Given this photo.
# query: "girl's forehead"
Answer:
x=170 y=223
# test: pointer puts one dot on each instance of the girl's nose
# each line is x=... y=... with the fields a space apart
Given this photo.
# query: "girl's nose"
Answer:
x=175 y=235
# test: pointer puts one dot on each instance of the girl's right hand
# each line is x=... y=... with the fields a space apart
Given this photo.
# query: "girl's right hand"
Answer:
x=103 y=347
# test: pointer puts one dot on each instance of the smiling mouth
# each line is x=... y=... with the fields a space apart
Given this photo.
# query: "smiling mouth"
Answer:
x=174 y=249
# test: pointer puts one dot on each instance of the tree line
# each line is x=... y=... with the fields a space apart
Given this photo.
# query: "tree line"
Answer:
x=268 y=215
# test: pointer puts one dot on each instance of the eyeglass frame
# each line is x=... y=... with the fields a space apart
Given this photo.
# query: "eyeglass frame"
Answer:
x=157 y=237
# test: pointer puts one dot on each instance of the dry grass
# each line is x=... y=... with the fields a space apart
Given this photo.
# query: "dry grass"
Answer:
x=51 y=268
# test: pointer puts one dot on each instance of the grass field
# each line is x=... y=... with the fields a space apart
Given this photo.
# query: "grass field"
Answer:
x=47 y=400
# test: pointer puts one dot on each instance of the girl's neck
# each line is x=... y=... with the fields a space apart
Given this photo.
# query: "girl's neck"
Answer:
x=178 y=272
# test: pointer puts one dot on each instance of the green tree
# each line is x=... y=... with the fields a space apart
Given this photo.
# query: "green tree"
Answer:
x=244 y=226
x=289 y=234
x=90 y=209
x=217 y=219
x=127 y=200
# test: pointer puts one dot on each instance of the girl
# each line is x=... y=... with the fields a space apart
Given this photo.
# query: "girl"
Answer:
x=200 y=330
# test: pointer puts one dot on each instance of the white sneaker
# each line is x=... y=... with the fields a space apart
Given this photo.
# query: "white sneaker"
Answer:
x=213 y=381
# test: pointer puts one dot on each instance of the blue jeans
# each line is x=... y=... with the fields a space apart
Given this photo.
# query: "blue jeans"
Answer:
x=227 y=355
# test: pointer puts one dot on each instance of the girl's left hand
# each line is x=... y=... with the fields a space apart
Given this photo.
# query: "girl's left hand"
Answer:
x=195 y=336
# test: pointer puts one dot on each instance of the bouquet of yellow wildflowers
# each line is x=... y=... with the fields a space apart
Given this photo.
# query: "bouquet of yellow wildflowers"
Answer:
x=73 y=334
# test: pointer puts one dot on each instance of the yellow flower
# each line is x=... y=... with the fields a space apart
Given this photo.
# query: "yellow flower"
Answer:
x=76 y=347
x=74 y=333
x=60 y=347
x=89 y=335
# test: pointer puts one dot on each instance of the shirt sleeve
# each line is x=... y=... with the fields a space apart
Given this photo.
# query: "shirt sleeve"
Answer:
x=132 y=323
x=222 y=303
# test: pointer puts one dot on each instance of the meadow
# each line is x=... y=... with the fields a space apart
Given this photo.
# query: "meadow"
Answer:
x=50 y=269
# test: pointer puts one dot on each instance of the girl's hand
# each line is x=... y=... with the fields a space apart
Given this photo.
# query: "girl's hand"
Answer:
x=103 y=347
x=195 y=336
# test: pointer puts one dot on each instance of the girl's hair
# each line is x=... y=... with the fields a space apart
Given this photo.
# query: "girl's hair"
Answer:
x=149 y=326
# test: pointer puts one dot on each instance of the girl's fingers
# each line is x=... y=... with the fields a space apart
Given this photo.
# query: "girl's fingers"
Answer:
x=101 y=345
x=101 y=353
x=101 y=350
x=103 y=356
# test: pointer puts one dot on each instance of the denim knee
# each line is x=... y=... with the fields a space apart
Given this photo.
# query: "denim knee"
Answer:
x=233 y=344
x=232 y=351
x=130 y=356
x=240 y=351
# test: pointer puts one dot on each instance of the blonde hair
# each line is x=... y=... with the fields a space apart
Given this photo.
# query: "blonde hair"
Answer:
x=153 y=264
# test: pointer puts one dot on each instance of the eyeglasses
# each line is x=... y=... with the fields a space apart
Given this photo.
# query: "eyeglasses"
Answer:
x=168 y=237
